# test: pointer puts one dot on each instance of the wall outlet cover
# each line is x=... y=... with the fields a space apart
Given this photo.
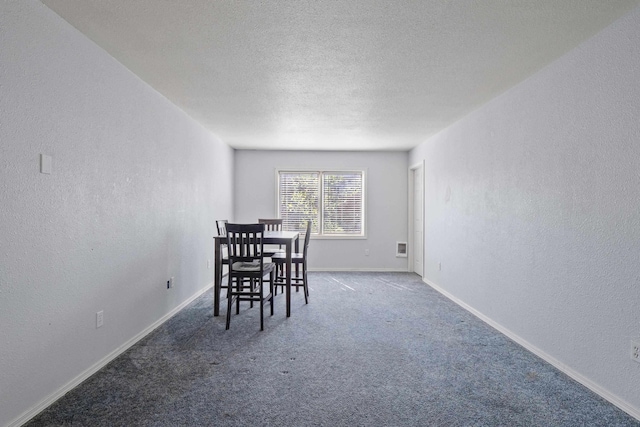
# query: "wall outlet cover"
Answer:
x=635 y=350
x=99 y=319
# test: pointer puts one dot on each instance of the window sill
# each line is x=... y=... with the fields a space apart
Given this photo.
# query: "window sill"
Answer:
x=338 y=237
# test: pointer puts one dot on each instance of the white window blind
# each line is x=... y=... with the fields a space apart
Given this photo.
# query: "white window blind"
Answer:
x=333 y=200
x=342 y=207
x=299 y=195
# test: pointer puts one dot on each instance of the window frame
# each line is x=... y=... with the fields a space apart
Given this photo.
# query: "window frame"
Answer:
x=321 y=172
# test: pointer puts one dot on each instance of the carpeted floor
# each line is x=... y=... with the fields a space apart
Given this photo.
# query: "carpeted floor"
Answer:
x=370 y=349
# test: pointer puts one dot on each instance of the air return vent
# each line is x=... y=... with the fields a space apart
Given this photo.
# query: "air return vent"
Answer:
x=401 y=249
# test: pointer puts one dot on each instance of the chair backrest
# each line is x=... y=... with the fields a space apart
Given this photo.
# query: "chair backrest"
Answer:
x=307 y=237
x=244 y=242
x=221 y=224
x=271 y=224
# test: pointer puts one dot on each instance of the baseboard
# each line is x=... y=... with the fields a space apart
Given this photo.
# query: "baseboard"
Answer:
x=373 y=270
x=49 y=400
x=605 y=394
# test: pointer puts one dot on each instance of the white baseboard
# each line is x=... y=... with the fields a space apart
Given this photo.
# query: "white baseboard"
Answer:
x=373 y=270
x=602 y=392
x=49 y=400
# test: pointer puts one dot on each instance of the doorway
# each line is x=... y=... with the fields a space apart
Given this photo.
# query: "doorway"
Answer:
x=416 y=219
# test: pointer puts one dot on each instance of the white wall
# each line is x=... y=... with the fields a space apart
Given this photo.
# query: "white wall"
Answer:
x=532 y=209
x=135 y=189
x=386 y=202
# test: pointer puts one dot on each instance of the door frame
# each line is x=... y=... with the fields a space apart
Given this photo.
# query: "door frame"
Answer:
x=410 y=243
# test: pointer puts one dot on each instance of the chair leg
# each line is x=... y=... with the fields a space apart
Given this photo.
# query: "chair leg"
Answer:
x=261 y=305
x=239 y=284
x=272 y=278
x=278 y=281
x=280 y=269
x=275 y=288
x=229 y=302
x=305 y=285
x=252 y=286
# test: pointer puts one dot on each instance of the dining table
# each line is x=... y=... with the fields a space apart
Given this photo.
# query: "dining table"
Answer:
x=289 y=239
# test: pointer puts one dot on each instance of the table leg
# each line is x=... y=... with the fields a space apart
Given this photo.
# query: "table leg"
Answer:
x=297 y=246
x=217 y=280
x=288 y=277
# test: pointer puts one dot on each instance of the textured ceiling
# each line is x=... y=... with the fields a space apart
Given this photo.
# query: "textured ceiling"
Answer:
x=335 y=74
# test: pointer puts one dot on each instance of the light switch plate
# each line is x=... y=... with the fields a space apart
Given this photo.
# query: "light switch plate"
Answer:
x=46 y=164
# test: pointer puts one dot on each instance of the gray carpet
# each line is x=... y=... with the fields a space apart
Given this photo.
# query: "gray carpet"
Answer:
x=379 y=349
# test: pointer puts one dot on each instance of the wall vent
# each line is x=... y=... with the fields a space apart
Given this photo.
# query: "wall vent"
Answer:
x=401 y=249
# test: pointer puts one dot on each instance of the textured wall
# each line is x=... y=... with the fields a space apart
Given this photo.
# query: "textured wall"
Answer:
x=135 y=187
x=532 y=209
x=386 y=202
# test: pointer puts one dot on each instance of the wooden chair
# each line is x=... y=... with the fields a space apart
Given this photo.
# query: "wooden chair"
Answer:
x=221 y=225
x=297 y=259
x=271 y=224
x=247 y=268
x=274 y=224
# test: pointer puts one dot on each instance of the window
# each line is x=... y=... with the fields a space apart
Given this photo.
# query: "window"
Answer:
x=333 y=200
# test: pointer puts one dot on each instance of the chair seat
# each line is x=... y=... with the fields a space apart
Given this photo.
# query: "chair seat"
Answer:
x=269 y=252
x=282 y=257
x=252 y=267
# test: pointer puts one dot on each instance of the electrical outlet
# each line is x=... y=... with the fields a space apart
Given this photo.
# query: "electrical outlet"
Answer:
x=170 y=283
x=99 y=319
x=439 y=266
x=366 y=252
x=635 y=351
x=208 y=264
